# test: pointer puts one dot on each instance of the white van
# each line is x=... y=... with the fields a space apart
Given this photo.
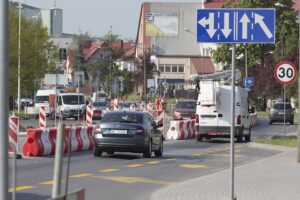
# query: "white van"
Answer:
x=71 y=105
x=42 y=99
x=213 y=112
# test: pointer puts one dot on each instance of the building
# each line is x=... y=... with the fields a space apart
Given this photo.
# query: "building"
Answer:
x=51 y=18
x=169 y=30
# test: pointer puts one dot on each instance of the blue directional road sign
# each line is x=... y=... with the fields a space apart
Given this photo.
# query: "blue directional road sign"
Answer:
x=248 y=83
x=236 y=25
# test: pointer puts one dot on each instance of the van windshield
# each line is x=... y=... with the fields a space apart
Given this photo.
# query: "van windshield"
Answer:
x=41 y=99
x=73 y=99
x=186 y=105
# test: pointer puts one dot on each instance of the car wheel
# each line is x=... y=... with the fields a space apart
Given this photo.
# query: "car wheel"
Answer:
x=148 y=151
x=248 y=137
x=292 y=122
x=270 y=122
x=159 y=152
x=199 y=138
x=97 y=152
x=239 y=138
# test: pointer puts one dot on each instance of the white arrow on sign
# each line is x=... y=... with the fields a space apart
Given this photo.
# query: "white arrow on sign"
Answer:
x=258 y=19
x=226 y=30
x=244 y=20
x=210 y=21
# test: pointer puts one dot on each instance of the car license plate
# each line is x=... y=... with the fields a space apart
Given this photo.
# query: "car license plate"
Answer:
x=281 y=113
x=119 y=131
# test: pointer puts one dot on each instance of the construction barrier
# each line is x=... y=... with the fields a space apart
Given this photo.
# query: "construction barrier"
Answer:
x=160 y=116
x=78 y=194
x=253 y=120
x=13 y=133
x=181 y=129
x=41 y=142
x=89 y=114
x=150 y=108
x=132 y=107
x=42 y=117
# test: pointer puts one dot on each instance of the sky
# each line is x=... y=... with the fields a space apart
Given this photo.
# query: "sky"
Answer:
x=97 y=16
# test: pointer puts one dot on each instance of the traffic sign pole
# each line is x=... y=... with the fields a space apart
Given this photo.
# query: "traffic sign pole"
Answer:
x=232 y=124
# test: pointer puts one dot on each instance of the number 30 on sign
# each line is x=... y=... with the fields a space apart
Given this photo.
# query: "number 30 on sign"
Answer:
x=285 y=72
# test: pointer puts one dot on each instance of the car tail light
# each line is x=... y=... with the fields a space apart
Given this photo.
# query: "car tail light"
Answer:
x=238 y=121
x=140 y=132
x=98 y=132
x=197 y=117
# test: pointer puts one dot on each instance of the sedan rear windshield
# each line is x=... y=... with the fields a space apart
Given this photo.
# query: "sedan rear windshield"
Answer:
x=99 y=103
x=41 y=99
x=280 y=106
x=123 y=117
x=186 y=105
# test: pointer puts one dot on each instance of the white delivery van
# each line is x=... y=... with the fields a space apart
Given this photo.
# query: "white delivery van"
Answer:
x=71 y=105
x=42 y=99
x=213 y=112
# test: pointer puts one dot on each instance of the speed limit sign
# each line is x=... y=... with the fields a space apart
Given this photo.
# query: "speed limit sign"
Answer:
x=285 y=72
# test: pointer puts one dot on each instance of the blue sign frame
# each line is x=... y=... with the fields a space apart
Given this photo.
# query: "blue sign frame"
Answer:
x=236 y=25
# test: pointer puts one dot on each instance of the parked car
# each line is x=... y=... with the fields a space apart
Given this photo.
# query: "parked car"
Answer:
x=122 y=131
x=185 y=109
x=277 y=113
x=24 y=102
x=99 y=108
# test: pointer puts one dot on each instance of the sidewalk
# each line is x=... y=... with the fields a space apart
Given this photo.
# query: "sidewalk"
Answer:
x=273 y=178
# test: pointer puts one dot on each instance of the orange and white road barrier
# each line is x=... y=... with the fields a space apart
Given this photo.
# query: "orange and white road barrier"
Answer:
x=42 y=118
x=89 y=114
x=150 y=108
x=142 y=107
x=181 y=129
x=13 y=133
x=160 y=116
x=132 y=107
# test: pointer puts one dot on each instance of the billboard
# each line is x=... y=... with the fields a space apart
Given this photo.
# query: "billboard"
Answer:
x=161 y=24
x=62 y=79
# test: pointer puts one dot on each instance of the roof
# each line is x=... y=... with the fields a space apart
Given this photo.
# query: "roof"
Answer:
x=296 y=5
x=88 y=52
x=203 y=65
x=216 y=3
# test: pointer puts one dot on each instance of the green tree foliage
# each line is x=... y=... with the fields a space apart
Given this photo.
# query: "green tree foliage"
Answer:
x=37 y=53
x=262 y=58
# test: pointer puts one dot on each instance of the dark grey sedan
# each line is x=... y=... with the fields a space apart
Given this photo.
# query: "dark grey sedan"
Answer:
x=122 y=131
x=277 y=113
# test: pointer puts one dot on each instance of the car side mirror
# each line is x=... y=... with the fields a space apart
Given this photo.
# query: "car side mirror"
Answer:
x=198 y=103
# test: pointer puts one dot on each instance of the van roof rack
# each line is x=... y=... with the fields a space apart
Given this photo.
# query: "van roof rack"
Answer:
x=218 y=76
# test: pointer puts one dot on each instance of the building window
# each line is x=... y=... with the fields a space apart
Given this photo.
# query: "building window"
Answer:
x=174 y=68
x=161 y=68
x=181 y=68
x=167 y=68
x=171 y=68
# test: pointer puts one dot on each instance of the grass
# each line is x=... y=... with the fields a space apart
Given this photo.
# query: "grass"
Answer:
x=287 y=141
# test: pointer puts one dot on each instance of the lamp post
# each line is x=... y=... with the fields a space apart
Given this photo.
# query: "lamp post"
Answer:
x=19 y=59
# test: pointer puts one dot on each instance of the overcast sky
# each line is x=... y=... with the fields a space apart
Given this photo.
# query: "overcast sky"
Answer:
x=96 y=16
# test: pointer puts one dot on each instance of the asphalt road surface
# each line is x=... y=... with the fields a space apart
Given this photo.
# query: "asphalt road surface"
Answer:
x=130 y=176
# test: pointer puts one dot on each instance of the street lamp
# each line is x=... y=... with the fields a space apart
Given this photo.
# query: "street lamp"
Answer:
x=19 y=59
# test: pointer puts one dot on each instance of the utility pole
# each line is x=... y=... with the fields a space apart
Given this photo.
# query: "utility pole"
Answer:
x=19 y=59
x=145 y=81
x=4 y=100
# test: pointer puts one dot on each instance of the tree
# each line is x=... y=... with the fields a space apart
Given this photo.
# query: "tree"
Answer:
x=262 y=58
x=37 y=56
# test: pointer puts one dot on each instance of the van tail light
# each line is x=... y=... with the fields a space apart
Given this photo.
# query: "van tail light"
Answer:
x=197 y=117
x=140 y=132
x=238 y=121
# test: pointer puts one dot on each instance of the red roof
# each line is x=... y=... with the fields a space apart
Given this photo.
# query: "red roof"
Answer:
x=203 y=65
x=216 y=3
x=88 y=52
x=296 y=5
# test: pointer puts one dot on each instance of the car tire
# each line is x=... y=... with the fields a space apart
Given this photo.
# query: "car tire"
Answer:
x=292 y=122
x=97 y=152
x=148 y=151
x=199 y=138
x=159 y=152
x=239 y=138
x=270 y=122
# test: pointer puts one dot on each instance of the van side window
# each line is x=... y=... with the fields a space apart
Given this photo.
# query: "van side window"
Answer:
x=59 y=100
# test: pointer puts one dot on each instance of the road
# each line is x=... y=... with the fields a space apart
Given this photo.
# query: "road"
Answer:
x=130 y=176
